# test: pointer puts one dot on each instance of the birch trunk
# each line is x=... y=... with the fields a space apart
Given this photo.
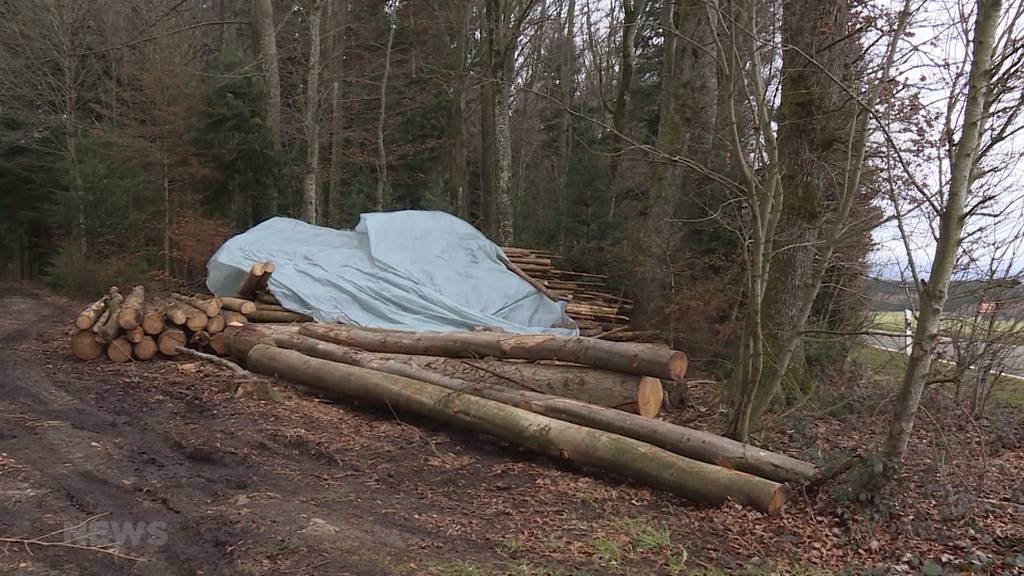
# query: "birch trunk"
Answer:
x=951 y=226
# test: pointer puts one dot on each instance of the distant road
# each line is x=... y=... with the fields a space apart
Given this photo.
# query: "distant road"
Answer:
x=898 y=343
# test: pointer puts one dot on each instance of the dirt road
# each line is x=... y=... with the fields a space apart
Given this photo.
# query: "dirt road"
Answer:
x=215 y=484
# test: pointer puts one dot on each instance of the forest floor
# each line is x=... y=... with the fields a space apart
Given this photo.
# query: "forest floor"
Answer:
x=293 y=485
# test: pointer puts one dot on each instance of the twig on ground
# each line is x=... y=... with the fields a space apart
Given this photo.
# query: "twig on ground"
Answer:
x=217 y=360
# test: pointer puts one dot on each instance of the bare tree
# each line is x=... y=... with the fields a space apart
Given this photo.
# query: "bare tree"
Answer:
x=952 y=215
x=263 y=16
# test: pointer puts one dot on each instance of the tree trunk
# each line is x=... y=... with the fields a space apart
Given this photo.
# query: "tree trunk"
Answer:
x=339 y=19
x=631 y=10
x=623 y=456
x=568 y=69
x=500 y=101
x=252 y=280
x=813 y=123
x=382 y=157
x=120 y=350
x=951 y=226
x=263 y=14
x=312 y=119
x=153 y=322
x=695 y=444
x=630 y=358
x=237 y=304
x=209 y=306
x=276 y=316
x=109 y=328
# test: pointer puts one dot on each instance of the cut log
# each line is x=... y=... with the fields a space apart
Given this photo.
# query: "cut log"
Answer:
x=629 y=458
x=276 y=316
x=215 y=324
x=209 y=305
x=195 y=319
x=264 y=305
x=169 y=341
x=86 y=318
x=135 y=335
x=234 y=318
x=268 y=270
x=237 y=304
x=200 y=338
x=153 y=322
x=85 y=346
x=266 y=298
x=518 y=271
x=120 y=350
x=637 y=394
x=688 y=442
x=218 y=344
x=109 y=330
x=630 y=358
x=176 y=313
x=130 y=314
x=247 y=289
x=145 y=349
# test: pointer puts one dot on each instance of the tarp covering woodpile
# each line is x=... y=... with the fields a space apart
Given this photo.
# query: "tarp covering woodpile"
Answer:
x=411 y=270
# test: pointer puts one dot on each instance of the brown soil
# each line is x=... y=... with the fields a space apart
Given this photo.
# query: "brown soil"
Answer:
x=288 y=484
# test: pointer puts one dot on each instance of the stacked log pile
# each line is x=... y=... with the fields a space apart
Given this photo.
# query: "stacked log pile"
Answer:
x=589 y=302
x=507 y=386
x=130 y=327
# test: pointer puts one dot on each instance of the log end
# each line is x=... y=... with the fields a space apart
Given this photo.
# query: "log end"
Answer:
x=120 y=350
x=649 y=396
x=677 y=365
x=145 y=349
x=85 y=346
x=170 y=340
x=778 y=499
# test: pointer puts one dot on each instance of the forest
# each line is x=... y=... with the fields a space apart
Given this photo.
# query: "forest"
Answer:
x=769 y=182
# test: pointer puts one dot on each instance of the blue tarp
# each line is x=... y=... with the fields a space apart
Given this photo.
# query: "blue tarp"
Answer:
x=411 y=270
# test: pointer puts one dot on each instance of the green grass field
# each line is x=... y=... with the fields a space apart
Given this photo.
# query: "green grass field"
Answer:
x=893 y=322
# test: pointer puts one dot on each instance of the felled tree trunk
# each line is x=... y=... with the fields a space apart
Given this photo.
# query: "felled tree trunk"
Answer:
x=632 y=459
x=120 y=350
x=145 y=349
x=696 y=444
x=215 y=324
x=130 y=314
x=86 y=318
x=276 y=316
x=85 y=346
x=209 y=306
x=637 y=394
x=109 y=329
x=237 y=304
x=170 y=340
x=153 y=322
x=248 y=286
x=631 y=358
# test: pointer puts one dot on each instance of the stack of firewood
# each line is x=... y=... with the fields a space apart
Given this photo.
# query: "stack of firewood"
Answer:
x=134 y=328
x=596 y=311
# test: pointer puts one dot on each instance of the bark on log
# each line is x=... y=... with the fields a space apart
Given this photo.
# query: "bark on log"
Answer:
x=86 y=318
x=110 y=328
x=268 y=270
x=85 y=346
x=639 y=359
x=637 y=394
x=144 y=349
x=629 y=458
x=209 y=306
x=153 y=322
x=248 y=286
x=130 y=314
x=266 y=298
x=215 y=324
x=276 y=316
x=237 y=304
x=169 y=341
x=120 y=350
x=696 y=444
x=273 y=307
x=218 y=344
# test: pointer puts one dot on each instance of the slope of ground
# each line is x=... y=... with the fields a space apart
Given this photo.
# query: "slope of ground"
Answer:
x=286 y=484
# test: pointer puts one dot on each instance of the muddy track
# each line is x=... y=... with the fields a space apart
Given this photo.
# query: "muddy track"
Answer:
x=80 y=440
